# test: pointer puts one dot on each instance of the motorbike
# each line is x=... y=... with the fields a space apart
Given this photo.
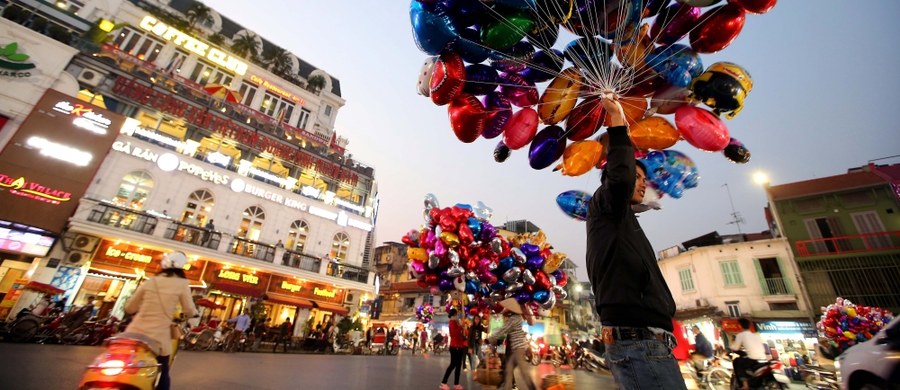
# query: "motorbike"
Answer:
x=762 y=375
x=129 y=361
x=820 y=378
x=590 y=360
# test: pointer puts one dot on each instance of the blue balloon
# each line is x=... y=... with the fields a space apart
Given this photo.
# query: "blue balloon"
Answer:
x=474 y=226
x=470 y=48
x=500 y=285
x=534 y=263
x=589 y=53
x=545 y=66
x=558 y=274
x=471 y=287
x=546 y=147
x=432 y=30
x=464 y=206
x=671 y=172
x=574 y=203
x=504 y=264
x=677 y=64
x=465 y=13
x=541 y=296
x=480 y=79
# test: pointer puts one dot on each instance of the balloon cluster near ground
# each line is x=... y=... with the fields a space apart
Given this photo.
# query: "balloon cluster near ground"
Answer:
x=844 y=324
x=531 y=73
x=459 y=251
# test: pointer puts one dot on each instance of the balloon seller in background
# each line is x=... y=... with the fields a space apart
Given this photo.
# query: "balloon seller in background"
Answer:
x=632 y=298
x=458 y=347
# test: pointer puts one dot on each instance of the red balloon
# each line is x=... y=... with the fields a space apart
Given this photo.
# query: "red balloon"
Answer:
x=465 y=235
x=471 y=263
x=585 y=119
x=432 y=279
x=448 y=78
x=718 y=28
x=448 y=224
x=541 y=280
x=702 y=128
x=562 y=280
x=528 y=288
x=521 y=128
x=467 y=117
x=755 y=6
x=421 y=282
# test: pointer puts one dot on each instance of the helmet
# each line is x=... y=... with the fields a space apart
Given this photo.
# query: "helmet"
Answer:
x=723 y=87
x=175 y=260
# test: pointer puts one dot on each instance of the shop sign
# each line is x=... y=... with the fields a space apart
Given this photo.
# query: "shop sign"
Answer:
x=783 y=327
x=239 y=185
x=324 y=292
x=133 y=127
x=126 y=257
x=194 y=45
x=304 y=289
x=112 y=252
x=34 y=190
x=14 y=64
x=13 y=240
x=169 y=162
x=290 y=286
x=85 y=117
x=275 y=89
x=238 y=276
x=731 y=325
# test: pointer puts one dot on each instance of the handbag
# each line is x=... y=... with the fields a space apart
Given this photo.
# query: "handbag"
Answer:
x=174 y=330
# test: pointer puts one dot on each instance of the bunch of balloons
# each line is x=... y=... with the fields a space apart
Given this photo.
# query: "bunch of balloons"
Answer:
x=845 y=324
x=425 y=313
x=531 y=72
x=458 y=250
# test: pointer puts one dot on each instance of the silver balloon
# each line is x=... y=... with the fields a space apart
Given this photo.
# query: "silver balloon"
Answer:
x=427 y=217
x=513 y=287
x=496 y=245
x=431 y=201
x=433 y=261
x=483 y=212
x=512 y=275
x=455 y=271
x=471 y=275
x=563 y=294
x=528 y=277
x=496 y=296
x=552 y=280
x=550 y=303
x=517 y=254
x=509 y=294
x=454 y=257
x=492 y=266
x=438 y=231
x=557 y=289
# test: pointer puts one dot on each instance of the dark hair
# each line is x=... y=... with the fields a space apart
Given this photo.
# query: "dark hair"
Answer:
x=745 y=323
x=452 y=312
x=169 y=272
x=637 y=164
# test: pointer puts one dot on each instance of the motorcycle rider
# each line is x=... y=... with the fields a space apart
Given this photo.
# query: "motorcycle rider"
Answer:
x=754 y=347
x=155 y=303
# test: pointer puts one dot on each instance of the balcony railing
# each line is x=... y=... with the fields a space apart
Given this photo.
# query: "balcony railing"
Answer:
x=775 y=286
x=193 y=235
x=348 y=272
x=301 y=261
x=123 y=218
x=252 y=249
x=868 y=242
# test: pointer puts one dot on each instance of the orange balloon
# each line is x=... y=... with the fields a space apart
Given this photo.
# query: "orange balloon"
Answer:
x=654 y=132
x=560 y=96
x=580 y=157
x=634 y=108
x=418 y=254
x=633 y=53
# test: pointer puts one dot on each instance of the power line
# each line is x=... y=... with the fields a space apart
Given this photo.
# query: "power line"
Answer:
x=736 y=218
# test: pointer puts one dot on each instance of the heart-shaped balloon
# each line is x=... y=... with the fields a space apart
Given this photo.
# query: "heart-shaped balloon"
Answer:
x=440 y=250
x=498 y=110
x=541 y=296
x=434 y=261
x=432 y=279
x=417 y=254
x=416 y=268
x=450 y=239
x=433 y=30
x=446 y=285
x=488 y=278
x=551 y=301
x=459 y=283
x=456 y=271
x=542 y=281
x=499 y=285
x=529 y=249
x=505 y=264
x=528 y=277
x=512 y=274
x=513 y=287
x=518 y=255
x=534 y=263
x=523 y=296
x=467 y=117
x=447 y=78
x=453 y=257
x=488 y=231
x=496 y=245
x=465 y=234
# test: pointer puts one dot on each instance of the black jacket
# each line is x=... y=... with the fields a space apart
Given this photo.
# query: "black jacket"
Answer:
x=628 y=284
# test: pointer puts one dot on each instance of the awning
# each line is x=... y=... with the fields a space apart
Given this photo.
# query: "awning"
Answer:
x=336 y=309
x=288 y=300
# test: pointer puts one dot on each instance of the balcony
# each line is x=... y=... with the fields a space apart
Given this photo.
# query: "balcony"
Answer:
x=775 y=286
x=193 y=235
x=869 y=242
x=347 y=272
x=123 y=218
x=301 y=261
x=252 y=249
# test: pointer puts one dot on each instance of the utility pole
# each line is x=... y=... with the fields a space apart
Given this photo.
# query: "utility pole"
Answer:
x=736 y=218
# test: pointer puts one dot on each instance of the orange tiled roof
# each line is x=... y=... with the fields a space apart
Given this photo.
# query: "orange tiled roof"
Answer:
x=847 y=181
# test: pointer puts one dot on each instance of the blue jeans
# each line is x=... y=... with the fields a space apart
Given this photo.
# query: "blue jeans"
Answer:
x=643 y=364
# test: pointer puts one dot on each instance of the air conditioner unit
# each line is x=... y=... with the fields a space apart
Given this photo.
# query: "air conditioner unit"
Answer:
x=76 y=257
x=90 y=77
x=85 y=243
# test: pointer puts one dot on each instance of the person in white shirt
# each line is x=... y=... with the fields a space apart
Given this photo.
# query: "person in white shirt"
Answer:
x=753 y=345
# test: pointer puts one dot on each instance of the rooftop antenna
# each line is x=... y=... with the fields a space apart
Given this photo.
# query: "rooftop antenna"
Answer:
x=736 y=218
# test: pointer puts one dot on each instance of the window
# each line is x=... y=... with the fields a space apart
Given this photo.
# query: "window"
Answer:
x=408 y=303
x=248 y=92
x=734 y=308
x=134 y=190
x=176 y=63
x=198 y=208
x=339 y=246
x=783 y=306
x=328 y=110
x=870 y=222
x=858 y=198
x=276 y=107
x=304 y=118
x=731 y=273
x=205 y=73
x=251 y=223
x=687 y=280
x=297 y=236
x=137 y=44
x=70 y=5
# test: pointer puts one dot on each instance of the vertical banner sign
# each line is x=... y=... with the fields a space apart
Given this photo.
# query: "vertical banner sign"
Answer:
x=50 y=161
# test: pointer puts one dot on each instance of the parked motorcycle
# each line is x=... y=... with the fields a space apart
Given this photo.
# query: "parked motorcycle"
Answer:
x=129 y=362
x=761 y=375
x=590 y=360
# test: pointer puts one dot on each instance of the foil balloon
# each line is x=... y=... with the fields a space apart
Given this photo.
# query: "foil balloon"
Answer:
x=496 y=245
x=666 y=100
x=521 y=128
x=501 y=152
x=512 y=275
x=534 y=263
x=673 y=23
x=608 y=18
x=541 y=297
x=474 y=225
x=433 y=31
x=523 y=296
x=483 y=212
x=542 y=281
x=467 y=117
x=755 y=6
x=528 y=277
x=502 y=33
x=634 y=108
x=447 y=78
x=416 y=268
x=488 y=231
x=676 y=63
x=546 y=147
x=653 y=7
x=455 y=271
x=469 y=46
x=585 y=119
x=471 y=287
x=654 y=133
x=459 y=283
x=504 y=264
x=519 y=91
x=553 y=262
x=723 y=87
x=580 y=157
x=499 y=285
x=446 y=285
x=431 y=201
x=513 y=59
x=670 y=172
x=513 y=287
x=423 y=86
x=434 y=261
x=699 y=3
x=480 y=79
x=574 y=203
x=718 y=27
x=545 y=65
x=517 y=255
x=551 y=301
x=587 y=53
x=736 y=152
x=498 y=110
x=416 y=254
x=560 y=97
x=702 y=129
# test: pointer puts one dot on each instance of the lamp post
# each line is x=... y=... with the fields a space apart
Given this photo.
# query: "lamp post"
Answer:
x=762 y=179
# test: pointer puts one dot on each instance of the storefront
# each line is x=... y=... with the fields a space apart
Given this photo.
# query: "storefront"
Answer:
x=232 y=287
x=708 y=327
x=788 y=339
x=306 y=303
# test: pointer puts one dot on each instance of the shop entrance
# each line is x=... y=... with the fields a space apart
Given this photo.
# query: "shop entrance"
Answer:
x=101 y=290
x=233 y=306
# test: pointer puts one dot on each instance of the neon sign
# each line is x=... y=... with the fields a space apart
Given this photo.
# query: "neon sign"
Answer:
x=34 y=190
x=238 y=276
x=290 y=286
x=324 y=293
x=170 y=162
x=194 y=45
x=275 y=89
x=59 y=151
x=86 y=118
x=128 y=255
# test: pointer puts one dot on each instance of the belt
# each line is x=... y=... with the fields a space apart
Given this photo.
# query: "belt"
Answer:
x=610 y=334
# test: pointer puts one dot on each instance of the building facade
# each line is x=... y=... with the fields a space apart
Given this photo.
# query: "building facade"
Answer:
x=226 y=151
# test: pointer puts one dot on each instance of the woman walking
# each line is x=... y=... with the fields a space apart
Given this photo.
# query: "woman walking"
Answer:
x=512 y=329
x=458 y=347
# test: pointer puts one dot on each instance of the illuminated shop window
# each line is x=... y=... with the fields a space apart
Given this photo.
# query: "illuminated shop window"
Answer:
x=275 y=107
x=199 y=207
x=339 y=246
x=297 y=236
x=134 y=190
x=205 y=74
x=247 y=92
x=251 y=223
x=138 y=44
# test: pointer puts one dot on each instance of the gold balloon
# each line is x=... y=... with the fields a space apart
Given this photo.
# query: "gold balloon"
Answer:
x=634 y=53
x=654 y=133
x=418 y=254
x=554 y=261
x=580 y=157
x=518 y=240
x=450 y=239
x=538 y=238
x=560 y=96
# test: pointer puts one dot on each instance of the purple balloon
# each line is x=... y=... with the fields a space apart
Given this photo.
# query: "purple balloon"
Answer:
x=488 y=232
x=530 y=249
x=499 y=110
x=523 y=296
x=446 y=285
x=534 y=262
x=546 y=147
x=546 y=65
x=674 y=22
x=480 y=79
x=557 y=274
x=514 y=59
x=469 y=46
x=519 y=92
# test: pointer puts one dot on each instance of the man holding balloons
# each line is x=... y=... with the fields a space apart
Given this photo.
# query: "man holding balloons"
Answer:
x=634 y=302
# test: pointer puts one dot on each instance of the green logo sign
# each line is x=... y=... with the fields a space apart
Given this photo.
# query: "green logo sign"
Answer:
x=12 y=64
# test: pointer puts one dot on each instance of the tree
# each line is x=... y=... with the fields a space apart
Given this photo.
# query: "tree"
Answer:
x=316 y=83
x=278 y=61
x=216 y=39
x=198 y=13
x=244 y=45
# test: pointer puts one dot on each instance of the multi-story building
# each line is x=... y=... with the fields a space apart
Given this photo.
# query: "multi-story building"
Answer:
x=220 y=144
x=844 y=232
x=719 y=279
x=400 y=294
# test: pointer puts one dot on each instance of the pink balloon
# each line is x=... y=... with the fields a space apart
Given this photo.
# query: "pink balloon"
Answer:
x=702 y=129
x=669 y=99
x=521 y=128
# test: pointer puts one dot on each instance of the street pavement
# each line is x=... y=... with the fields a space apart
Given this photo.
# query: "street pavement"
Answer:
x=34 y=366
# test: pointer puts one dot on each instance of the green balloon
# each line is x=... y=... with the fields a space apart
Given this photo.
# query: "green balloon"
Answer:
x=502 y=34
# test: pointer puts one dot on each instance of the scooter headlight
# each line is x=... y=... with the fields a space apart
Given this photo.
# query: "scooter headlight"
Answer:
x=111 y=367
